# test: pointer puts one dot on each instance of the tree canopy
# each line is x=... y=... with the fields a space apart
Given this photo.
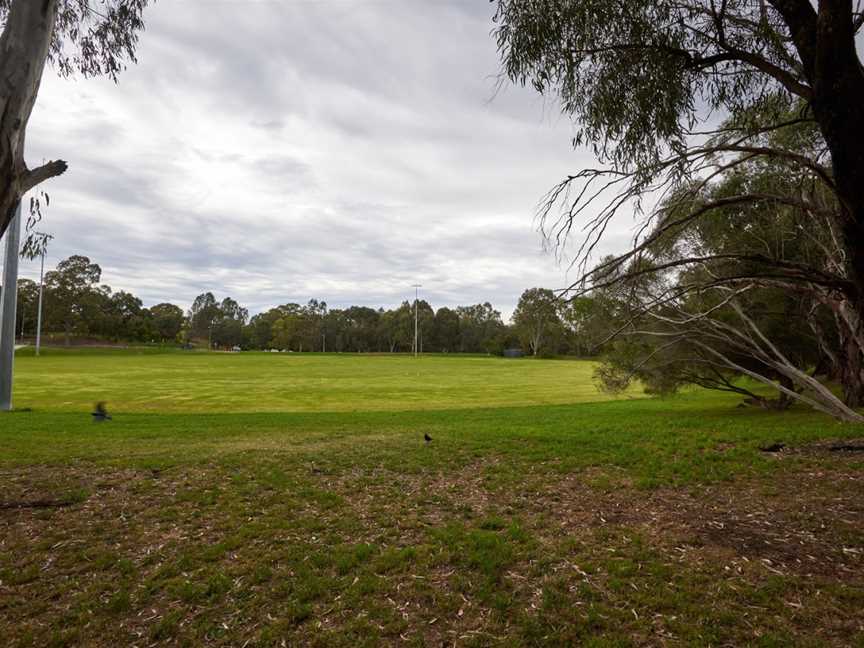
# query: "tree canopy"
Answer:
x=79 y=307
x=709 y=120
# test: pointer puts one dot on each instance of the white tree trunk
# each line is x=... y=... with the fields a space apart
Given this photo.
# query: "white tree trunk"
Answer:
x=23 y=50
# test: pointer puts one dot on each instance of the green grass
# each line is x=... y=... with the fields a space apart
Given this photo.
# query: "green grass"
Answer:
x=256 y=499
x=136 y=381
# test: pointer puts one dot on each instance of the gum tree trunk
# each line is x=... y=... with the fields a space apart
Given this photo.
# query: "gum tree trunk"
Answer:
x=825 y=40
x=850 y=356
x=23 y=50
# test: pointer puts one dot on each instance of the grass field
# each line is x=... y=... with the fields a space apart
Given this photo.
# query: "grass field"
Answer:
x=270 y=500
x=292 y=382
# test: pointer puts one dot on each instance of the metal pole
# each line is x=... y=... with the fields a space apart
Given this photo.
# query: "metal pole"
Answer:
x=39 y=312
x=7 y=310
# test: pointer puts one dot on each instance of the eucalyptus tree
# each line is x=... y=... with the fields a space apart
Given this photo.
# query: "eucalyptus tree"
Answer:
x=478 y=324
x=396 y=328
x=71 y=35
x=260 y=327
x=26 y=312
x=314 y=315
x=585 y=324
x=536 y=319
x=761 y=302
x=204 y=311
x=425 y=326
x=672 y=95
x=70 y=288
x=361 y=325
x=445 y=330
x=168 y=321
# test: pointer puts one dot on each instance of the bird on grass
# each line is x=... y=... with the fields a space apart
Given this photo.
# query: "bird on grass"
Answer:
x=100 y=413
x=775 y=447
x=426 y=437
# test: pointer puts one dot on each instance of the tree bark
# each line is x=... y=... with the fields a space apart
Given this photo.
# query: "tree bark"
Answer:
x=825 y=41
x=784 y=400
x=537 y=339
x=850 y=355
x=23 y=51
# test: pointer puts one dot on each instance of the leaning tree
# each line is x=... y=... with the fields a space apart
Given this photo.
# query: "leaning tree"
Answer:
x=91 y=37
x=674 y=94
x=681 y=322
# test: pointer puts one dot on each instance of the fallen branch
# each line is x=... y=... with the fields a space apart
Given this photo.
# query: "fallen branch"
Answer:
x=40 y=503
x=846 y=447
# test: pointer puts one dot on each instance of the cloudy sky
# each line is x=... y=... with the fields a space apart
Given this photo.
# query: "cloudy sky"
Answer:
x=279 y=151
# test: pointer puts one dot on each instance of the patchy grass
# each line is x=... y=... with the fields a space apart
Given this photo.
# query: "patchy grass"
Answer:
x=634 y=522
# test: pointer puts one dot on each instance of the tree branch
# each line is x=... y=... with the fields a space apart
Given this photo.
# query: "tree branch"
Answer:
x=40 y=174
x=802 y=21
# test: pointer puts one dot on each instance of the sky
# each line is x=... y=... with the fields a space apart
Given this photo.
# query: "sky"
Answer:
x=284 y=150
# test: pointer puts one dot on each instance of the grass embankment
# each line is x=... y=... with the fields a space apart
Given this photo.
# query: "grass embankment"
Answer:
x=255 y=499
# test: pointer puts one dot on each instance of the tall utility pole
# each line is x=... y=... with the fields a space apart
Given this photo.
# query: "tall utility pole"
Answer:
x=417 y=288
x=39 y=312
x=7 y=310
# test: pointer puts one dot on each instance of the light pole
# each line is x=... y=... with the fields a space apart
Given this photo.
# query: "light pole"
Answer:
x=417 y=288
x=7 y=310
x=39 y=311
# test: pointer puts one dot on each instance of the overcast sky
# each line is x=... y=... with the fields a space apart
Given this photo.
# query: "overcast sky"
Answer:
x=279 y=151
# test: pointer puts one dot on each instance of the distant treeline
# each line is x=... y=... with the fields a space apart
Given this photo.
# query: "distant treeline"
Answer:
x=77 y=305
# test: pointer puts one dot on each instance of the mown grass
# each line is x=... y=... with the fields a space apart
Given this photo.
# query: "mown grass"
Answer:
x=132 y=381
x=529 y=522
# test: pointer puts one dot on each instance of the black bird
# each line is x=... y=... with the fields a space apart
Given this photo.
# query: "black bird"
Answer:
x=100 y=414
x=776 y=447
x=426 y=437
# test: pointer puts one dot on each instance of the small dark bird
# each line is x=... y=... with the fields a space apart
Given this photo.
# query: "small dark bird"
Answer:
x=426 y=437
x=775 y=447
x=100 y=414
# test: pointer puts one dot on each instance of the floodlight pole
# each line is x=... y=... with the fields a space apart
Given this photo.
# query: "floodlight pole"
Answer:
x=39 y=311
x=417 y=288
x=7 y=309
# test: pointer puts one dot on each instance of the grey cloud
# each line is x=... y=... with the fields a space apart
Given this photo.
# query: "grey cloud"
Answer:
x=283 y=168
x=282 y=151
x=269 y=125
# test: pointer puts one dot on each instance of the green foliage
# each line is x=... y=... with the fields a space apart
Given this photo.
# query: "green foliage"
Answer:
x=748 y=264
x=635 y=76
x=663 y=342
x=82 y=307
x=168 y=321
x=537 y=320
x=73 y=295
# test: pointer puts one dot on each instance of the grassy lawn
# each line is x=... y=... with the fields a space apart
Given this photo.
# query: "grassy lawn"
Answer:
x=270 y=500
x=292 y=382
